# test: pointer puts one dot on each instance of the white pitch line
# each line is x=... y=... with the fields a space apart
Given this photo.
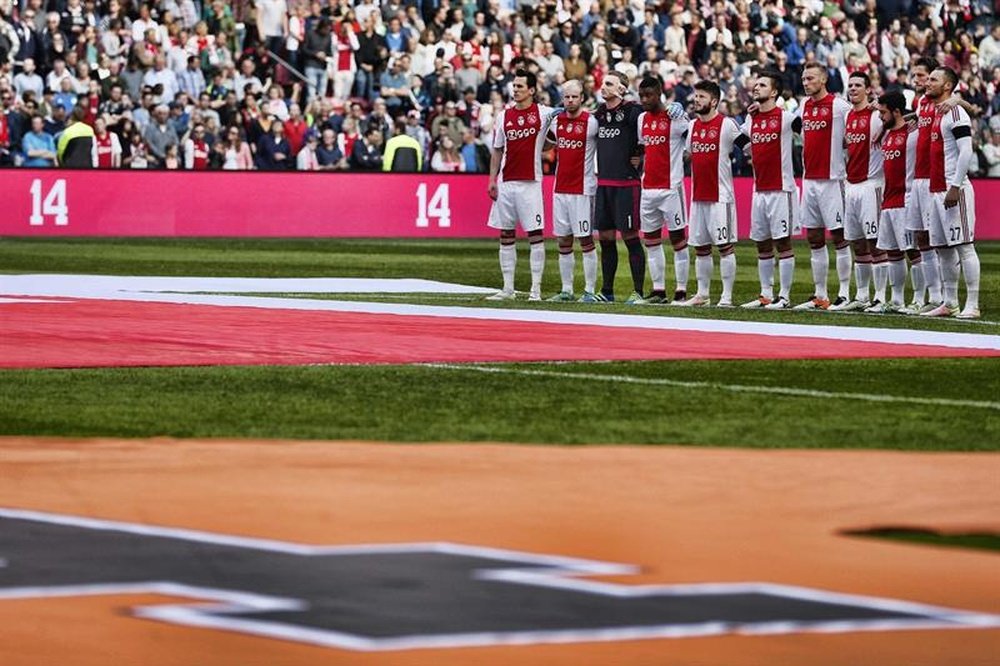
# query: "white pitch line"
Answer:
x=735 y=388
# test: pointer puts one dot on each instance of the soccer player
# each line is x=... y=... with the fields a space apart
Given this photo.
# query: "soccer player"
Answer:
x=515 y=183
x=662 y=134
x=919 y=205
x=616 y=208
x=573 y=200
x=713 y=208
x=953 y=209
x=824 y=117
x=774 y=216
x=899 y=150
x=864 y=194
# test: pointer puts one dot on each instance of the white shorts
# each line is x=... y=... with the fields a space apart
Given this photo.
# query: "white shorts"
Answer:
x=659 y=208
x=712 y=223
x=774 y=214
x=822 y=204
x=955 y=225
x=518 y=201
x=918 y=205
x=572 y=214
x=861 y=215
x=892 y=231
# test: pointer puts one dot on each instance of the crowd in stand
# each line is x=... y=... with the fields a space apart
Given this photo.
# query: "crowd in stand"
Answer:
x=312 y=85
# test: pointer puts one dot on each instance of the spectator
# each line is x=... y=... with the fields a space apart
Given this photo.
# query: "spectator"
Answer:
x=39 y=146
x=306 y=159
x=273 y=151
x=394 y=84
x=329 y=154
x=449 y=124
x=192 y=80
x=159 y=135
x=162 y=80
x=367 y=153
x=475 y=154
x=28 y=80
x=75 y=147
x=197 y=152
x=317 y=49
x=107 y=152
x=991 y=153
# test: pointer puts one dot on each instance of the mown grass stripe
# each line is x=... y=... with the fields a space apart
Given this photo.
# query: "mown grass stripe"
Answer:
x=736 y=388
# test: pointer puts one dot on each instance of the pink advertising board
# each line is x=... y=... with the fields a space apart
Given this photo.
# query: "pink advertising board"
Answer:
x=47 y=202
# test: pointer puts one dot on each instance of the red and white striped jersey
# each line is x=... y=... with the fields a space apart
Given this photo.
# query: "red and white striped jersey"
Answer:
x=771 y=149
x=864 y=155
x=576 y=154
x=104 y=149
x=710 y=145
x=195 y=155
x=521 y=136
x=945 y=168
x=663 y=140
x=899 y=152
x=823 y=124
x=925 y=117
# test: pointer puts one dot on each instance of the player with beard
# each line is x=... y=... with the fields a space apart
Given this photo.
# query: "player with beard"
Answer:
x=774 y=216
x=713 y=205
x=953 y=210
x=824 y=117
x=919 y=204
x=864 y=196
x=515 y=183
x=573 y=199
x=899 y=150
x=662 y=133
x=616 y=208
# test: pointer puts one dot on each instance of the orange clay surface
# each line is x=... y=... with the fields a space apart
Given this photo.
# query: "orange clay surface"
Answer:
x=682 y=514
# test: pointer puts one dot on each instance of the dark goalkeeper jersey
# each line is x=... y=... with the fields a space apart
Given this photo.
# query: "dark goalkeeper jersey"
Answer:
x=617 y=143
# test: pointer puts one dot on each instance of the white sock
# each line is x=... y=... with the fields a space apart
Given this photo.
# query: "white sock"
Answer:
x=537 y=259
x=508 y=261
x=881 y=272
x=844 y=271
x=863 y=276
x=682 y=267
x=970 y=266
x=917 y=278
x=786 y=271
x=727 y=269
x=567 y=263
x=950 y=269
x=897 y=276
x=657 y=262
x=820 y=261
x=590 y=270
x=932 y=275
x=703 y=268
x=765 y=269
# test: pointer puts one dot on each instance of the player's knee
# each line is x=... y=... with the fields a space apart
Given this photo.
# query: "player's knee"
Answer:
x=895 y=255
x=726 y=250
x=703 y=250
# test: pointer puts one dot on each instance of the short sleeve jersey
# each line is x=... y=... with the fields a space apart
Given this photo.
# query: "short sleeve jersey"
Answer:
x=617 y=142
x=771 y=148
x=710 y=144
x=899 y=151
x=576 y=151
x=944 y=147
x=663 y=141
x=823 y=124
x=520 y=133
x=864 y=154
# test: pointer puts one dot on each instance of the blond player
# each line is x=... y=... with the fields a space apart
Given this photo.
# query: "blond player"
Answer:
x=824 y=119
x=573 y=199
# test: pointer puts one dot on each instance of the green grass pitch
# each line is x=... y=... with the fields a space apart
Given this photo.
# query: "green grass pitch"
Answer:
x=913 y=404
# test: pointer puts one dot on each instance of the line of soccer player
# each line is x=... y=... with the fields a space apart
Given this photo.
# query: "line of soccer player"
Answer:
x=886 y=183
